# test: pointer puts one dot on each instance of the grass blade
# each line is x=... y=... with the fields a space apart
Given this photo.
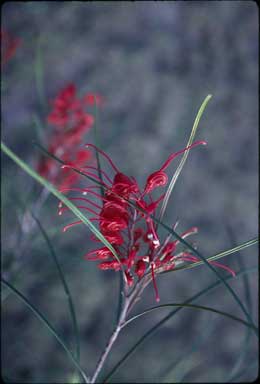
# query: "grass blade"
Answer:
x=199 y=307
x=153 y=329
x=60 y=196
x=65 y=287
x=43 y=319
x=184 y=157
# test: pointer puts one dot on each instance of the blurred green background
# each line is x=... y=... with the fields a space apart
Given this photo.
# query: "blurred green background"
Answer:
x=154 y=63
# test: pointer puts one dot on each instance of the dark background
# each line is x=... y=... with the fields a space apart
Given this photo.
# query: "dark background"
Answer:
x=154 y=63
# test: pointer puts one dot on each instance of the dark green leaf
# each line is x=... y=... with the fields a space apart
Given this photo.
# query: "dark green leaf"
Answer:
x=43 y=319
x=98 y=145
x=198 y=307
x=64 y=284
x=184 y=157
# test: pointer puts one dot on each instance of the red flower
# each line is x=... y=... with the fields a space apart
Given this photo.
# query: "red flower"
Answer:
x=125 y=221
x=69 y=112
x=140 y=268
x=156 y=179
x=70 y=122
x=101 y=254
x=110 y=265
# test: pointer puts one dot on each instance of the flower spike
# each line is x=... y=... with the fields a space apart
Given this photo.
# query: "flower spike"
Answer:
x=124 y=219
x=70 y=121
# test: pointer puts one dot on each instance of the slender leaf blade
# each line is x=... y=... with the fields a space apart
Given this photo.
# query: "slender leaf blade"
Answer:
x=198 y=307
x=39 y=72
x=243 y=350
x=236 y=249
x=96 y=151
x=65 y=286
x=184 y=157
x=44 y=320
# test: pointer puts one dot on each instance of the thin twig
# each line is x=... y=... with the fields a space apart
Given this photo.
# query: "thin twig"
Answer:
x=111 y=341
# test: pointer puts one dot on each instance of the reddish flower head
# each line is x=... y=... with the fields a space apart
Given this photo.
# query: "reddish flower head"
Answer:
x=124 y=218
x=70 y=122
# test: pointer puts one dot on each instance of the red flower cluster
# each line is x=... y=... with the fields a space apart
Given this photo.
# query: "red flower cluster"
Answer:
x=9 y=45
x=70 y=122
x=124 y=217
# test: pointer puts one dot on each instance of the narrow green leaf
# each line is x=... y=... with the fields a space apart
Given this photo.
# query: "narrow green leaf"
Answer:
x=200 y=307
x=44 y=320
x=98 y=145
x=243 y=349
x=185 y=360
x=184 y=157
x=60 y=196
x=39 y=72
x=238 y=248
x=156 y=327
x=39 y=128
x=51 y=232
x=16 y=272
x=65 y=286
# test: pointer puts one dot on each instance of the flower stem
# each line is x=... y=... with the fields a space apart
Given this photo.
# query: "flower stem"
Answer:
x=111 y=341
x=106 y=352
x=129 y=302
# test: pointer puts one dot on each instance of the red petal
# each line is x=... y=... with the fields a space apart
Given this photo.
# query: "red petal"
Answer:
x=156 y=179
x=109 y=265
x=140 y=268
